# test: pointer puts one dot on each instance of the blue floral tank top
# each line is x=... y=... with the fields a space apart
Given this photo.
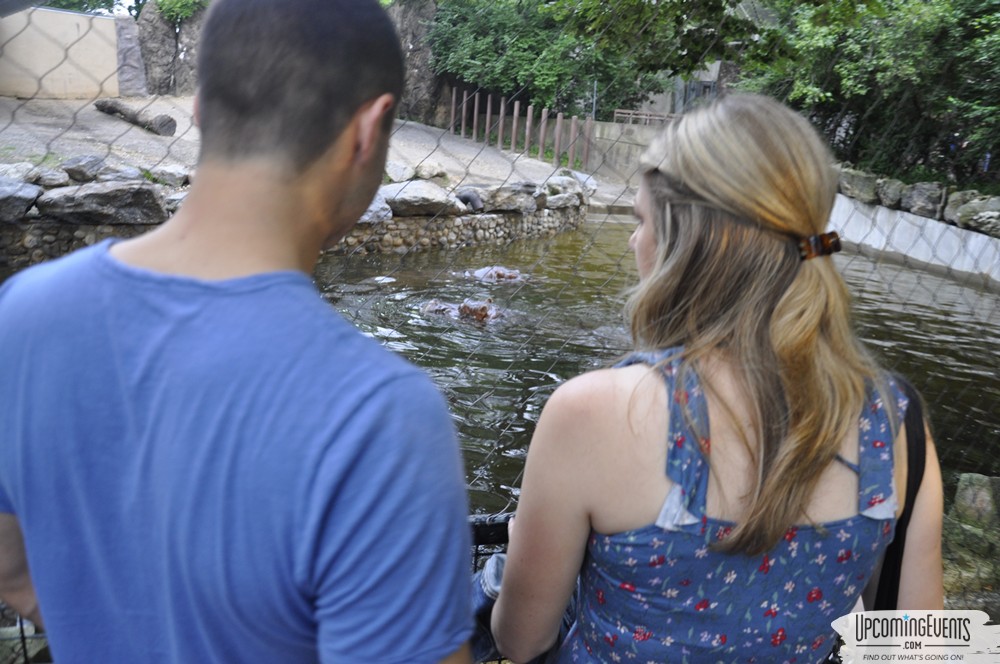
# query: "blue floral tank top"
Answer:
x=661 y=593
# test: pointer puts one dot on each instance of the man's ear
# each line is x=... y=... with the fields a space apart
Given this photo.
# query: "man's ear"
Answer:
x=371 y=123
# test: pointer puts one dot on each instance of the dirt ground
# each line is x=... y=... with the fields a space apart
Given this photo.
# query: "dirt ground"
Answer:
x=47 y=131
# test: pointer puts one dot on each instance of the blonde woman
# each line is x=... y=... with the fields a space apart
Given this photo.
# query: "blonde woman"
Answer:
x=727 y=491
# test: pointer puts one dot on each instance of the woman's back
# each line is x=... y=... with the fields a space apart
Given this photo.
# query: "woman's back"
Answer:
x=660 y=590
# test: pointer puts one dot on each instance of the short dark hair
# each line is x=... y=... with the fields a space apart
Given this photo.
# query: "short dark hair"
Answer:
x=284 y=77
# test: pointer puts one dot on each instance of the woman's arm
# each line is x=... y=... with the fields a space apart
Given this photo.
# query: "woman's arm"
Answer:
x=16 y=588
x=921 y=578
x=549 y=540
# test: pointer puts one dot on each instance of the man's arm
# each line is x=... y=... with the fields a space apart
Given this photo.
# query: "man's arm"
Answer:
x=16 y=588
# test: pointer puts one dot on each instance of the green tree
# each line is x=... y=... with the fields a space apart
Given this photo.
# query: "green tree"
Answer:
x=906 y=87
x=673 y=36
x=515 y=47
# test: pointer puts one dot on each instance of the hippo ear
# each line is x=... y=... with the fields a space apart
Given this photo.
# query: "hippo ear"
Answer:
x=489 y=300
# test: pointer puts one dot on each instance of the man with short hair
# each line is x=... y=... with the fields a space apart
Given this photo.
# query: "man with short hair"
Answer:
x=200 y=461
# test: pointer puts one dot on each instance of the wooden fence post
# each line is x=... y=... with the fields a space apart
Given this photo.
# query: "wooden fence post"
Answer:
x=588 y=137
x=465 y=109
x=527 y=130
x=543 y=125
x=503 y=116
x=475 y=117
x=454 y=100
x=513 y=127
x=573 y=138
x=489 y=118
x=558 y=140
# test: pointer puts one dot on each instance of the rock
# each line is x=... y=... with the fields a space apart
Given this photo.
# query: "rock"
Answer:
x=52 y=177
x=397 y=172
x=588 y=182
x=131 y=72
x=110 y=173
x=514 y=197
x=172 y=202
x=979 y=215
x=83 y=169
x=16 y=198
x=957 y=200
x=971 y=538
x=563 y=201
x=171 y=175
x=987 y=223
x=923 y=199
x=188 y=34
x=429 y=170
x=158 y=43
x=977 y=501
x=23 y=171
x=890 y=192
x=858 y=185
x=105 y=203
x=418 y=198
x=378 y=211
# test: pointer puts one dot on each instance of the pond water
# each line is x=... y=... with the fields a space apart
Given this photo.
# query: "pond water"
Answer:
x=564 y=317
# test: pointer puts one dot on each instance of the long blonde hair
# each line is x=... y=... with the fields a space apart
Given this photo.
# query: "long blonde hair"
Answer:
x=732 y=187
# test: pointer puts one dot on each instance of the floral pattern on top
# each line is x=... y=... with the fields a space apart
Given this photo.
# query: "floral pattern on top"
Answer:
x=662 y=594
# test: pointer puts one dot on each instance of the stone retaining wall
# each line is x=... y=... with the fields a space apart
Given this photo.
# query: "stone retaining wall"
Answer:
x=45 y=213
x=406 y=234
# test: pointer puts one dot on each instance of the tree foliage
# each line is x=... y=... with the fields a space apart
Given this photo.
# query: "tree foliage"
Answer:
x=898 y=86
x=673 y=36
x=515 y=47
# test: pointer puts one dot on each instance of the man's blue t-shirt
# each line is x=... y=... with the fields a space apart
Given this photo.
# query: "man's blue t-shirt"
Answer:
x=224 y=472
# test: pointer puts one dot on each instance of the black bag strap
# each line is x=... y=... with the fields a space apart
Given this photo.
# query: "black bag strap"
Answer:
x=916 y=456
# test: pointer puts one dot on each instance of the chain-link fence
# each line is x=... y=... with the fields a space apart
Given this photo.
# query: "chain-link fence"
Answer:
x=923 y=259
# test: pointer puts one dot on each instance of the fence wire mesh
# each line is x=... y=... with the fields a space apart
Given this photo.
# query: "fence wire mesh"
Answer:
x=925 y=289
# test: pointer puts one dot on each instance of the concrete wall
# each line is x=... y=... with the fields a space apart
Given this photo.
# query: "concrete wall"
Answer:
x=55 y=54
x=616 y=150
x=918 y=240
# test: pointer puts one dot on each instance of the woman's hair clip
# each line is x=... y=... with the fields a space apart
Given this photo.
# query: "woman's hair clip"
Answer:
x=819 y=245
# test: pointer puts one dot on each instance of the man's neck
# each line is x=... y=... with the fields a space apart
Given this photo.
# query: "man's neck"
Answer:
x=235 y=221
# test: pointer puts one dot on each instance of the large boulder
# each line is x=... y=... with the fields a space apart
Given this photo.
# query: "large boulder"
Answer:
x=84 y=168
x=105 y=203
x=971 y=542
x=52 y=177
x=420 y=198
x=16 y=198
x=923 y=199
x=158 y=43
x=171 y=175
x=398 y=172
x=378 y=211
x=859 y=185
x=587 y=182
x=957 y=200
x=890 y=192
x=23 y=171
x=982 y=214
x=514 y=197
x=188 y=34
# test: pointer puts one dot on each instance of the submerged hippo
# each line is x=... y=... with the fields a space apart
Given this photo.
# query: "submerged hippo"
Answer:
x=495 y=274
x=480 y=311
